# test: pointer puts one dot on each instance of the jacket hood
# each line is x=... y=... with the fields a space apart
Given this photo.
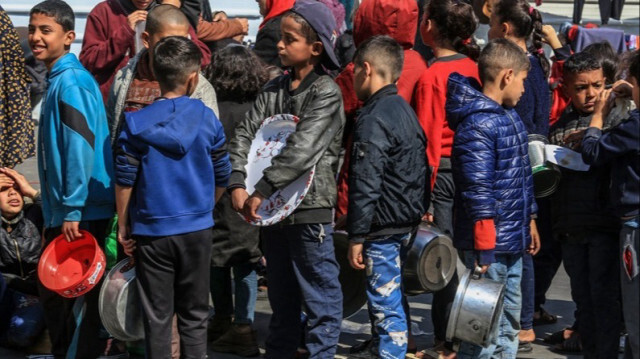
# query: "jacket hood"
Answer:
x=464 y=97
x=171 y=125
x=396 y=18
x=66 y=62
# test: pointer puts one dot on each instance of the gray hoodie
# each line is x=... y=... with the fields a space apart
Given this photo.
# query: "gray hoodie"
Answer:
x=118 y=95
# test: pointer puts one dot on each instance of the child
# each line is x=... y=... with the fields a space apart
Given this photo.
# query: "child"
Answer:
x=237 y=75
x=299 y=250
x=75 y=167
x=21 y=316
x=388 y=187
x=582 y=219
x=447 y=27
x=109 y=38
x=135 y=85
x=172 y=153
x=494 y=186
x=621 y=148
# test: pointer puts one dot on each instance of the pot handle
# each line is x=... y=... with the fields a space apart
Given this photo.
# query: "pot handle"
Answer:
x=477 y=273
x=128 y=266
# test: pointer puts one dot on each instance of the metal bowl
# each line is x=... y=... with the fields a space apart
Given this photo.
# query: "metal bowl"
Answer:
x=546 y=175
x=119 y=303
x=476 y=310
x=430 y=263
x=353 y=282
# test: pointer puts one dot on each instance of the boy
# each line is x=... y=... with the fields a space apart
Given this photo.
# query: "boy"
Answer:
x=75 y=167
x=621 y=147
x=299 y=249
x=172 y=153
x=109 y=38
x=582 y=218
x=135 y=85
x=388 y=187
x=494 y=206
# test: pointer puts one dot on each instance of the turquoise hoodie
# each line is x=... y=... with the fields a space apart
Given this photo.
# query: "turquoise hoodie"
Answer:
x=74 y=162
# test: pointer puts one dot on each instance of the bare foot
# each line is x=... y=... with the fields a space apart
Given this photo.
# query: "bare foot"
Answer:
x=527 y=335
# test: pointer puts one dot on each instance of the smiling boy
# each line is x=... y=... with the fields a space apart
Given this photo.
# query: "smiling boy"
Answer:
x=75 y=168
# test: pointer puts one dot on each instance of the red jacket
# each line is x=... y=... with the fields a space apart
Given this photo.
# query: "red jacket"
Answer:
x=430 y=98
x=398 y=19
x=108 y=44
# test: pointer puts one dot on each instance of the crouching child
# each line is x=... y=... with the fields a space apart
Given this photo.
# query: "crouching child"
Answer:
x=169 y=158
x=495 y=204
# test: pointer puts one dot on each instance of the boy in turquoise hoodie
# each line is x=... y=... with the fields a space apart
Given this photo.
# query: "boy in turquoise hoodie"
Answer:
x=75 y=167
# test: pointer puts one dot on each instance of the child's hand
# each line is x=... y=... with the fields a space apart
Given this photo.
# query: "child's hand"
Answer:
x=622 y=89
x=238 y=197
x=135 y=17
x=355 y=256
x=574 y=140
x=128 y=244
x=534 y=247
x=6 y=181
x=601 y=109
x=71 y=230
x=550 y=36
x=23 y=185
x=250 y=209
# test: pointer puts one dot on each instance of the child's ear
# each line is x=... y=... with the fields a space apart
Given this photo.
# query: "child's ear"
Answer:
x=316 y=48
x=505 y=29
x=508 y=75
x=145 y=39
x=192 y=83
x=69 y=36
x=367 y=68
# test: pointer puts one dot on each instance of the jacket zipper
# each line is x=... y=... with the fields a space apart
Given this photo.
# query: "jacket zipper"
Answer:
x=19 y=258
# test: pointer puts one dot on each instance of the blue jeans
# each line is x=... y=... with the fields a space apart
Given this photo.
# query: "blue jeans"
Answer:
x=384 y=293
x=302 y=269
x=630 y=284
x=508 y=270
x=245 y=283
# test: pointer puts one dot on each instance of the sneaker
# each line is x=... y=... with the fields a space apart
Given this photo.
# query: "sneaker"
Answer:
x=217 y=326
x=240 y=339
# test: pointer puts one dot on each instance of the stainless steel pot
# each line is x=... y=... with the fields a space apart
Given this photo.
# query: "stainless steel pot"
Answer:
x=353 y=282
x=119 y=304
x=430 y=263
x=546 y=175
x=476 y=310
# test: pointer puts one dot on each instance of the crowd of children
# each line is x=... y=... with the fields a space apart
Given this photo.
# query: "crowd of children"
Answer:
x=155 y=119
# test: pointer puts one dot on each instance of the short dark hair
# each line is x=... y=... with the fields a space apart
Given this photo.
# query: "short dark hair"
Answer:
x=607 y=57
x=174 y=59
x=634 y=66
x=384 y=54
x=306 y=30
x=580 y=62
x=162 y=15
x=500 y=54
x=57 y=9
x=236 y=73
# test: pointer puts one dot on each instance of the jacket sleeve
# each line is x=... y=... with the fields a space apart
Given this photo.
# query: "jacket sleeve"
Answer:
x=207 y=94
x=102 y=50
x=127 y=159
x=318 y=127
x=220 y=157
x=77 y=107
x=208 y=31
x=204 y=49
x=599 y=149
x=368 y=162
x=429 y=105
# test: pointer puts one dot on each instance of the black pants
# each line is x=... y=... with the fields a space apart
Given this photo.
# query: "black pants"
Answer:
x=547 y=261
x=58 y=311
x=591 y=262
x=173 y=276
x=608 y=9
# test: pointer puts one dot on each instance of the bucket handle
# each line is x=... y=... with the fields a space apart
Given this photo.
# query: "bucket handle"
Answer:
x=477 y=273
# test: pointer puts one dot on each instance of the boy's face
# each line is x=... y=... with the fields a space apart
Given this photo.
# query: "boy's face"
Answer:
x=141 y=4
x=11 y=201
x=497 y=29
x=513 y=87
x=47 y=39
x=293 y=48
x=583 y=89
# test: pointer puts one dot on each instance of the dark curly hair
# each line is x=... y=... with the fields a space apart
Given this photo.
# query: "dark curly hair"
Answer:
x=456 y=24
x=236 y=74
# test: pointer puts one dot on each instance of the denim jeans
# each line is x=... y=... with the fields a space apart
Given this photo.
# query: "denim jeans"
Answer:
x=630 y=284
x=302 y=269
x=245 y=285
x=508 y=270
x=384 y=293
x=591 y=261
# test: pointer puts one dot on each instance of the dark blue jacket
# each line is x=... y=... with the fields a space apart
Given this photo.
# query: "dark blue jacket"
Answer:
x=491 y=169
x=389 y=173
x=534 y=105
x=172 y=152
x=621 y=147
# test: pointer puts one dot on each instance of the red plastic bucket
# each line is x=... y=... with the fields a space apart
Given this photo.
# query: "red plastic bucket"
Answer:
x=71 y=269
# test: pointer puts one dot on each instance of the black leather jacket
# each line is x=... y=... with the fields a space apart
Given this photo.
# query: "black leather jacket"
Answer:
x=318 y=103
x=20 y=249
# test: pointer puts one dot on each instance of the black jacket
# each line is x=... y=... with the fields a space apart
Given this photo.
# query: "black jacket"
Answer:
x=20 y=249
x=318 y=103
x=389 y=186
x=266 y=46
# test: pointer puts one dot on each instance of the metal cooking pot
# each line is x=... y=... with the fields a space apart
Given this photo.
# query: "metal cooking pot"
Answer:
x=546 y=175
x=353 y=282
x=119 y=304
x=476 y=309
x=430 y=263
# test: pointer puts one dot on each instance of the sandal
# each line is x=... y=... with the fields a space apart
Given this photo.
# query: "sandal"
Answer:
x=525 y=347
x=557 y=337
x=570 y=345
x=544 y=317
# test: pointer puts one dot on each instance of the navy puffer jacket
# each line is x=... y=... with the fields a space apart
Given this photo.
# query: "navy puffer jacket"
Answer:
x=490 y=167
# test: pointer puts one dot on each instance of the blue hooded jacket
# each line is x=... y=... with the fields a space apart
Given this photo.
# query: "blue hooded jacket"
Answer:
x=74 y=162
x=491 y=169
x=173 y=153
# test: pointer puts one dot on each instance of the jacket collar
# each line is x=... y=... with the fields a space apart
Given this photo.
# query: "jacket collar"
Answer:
x=65 y=62
x=307 y=81
x=388 y=90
